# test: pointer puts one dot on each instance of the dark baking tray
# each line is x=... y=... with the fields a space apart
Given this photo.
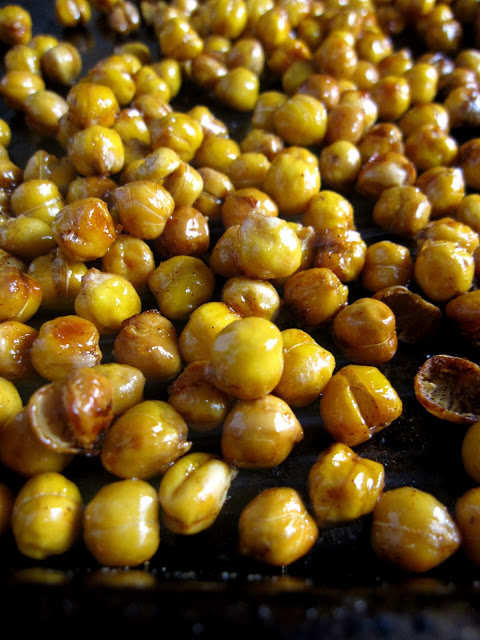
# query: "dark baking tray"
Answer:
x=196 y=586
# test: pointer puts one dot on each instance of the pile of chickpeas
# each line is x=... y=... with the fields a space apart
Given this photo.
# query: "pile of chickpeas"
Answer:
x=158 y=250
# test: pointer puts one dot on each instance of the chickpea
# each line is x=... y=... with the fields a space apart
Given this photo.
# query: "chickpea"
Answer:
x=403 y=210
x=238 y=89
x=336 y=55
x=387 y=264
x=180 y=285
x=423 y=80
x=62 y=64
x=23 y=453
x=462 y=106
x=343 y=486
x=5 y=133
x=431 y=147
x=273 y=27
x=46 y=516
x=301 y=120
x=222 y=259
x=413 y=530
x=186 y=233
x=17 y=85
x=251 y=297
x=148 y=341
x=170 y=70
x=202 y=327
x=385 y=170
x=358 y=402
x=42 y=42
x=179 y=132
x=106 y=299
x=22 y=57
x=216 y=187
x=21 y=294
x=96 y=150
x=211 y=125
x=342 y=251
x=26 y=237
x=468 y=162
x=248 y=170
x=381 y=138
x=16 y=338
x=84 y=229
x=38 y=199
x=241 y=203
x=340 y=163
x=124 y=18
x=263 y=113
x=247 y=52
x=291 y=182
x=111 y=73
x=144 y=441
x=205 y=70
x=443 y=270
x=276 y=528
x=450 y=229
x=127 y=382
x=466 y=516
x=424 y=114
x=73 y=14
x=15 y=25
x=193 y=491
x=463 y=311
x=469 y=451
x=91 y=104
x=121 y=523
x=329 y=209
x=155 y=167
x=468 y=211
x=179 y=40
x=185 y=184
x=63 y=344
x=217 y=153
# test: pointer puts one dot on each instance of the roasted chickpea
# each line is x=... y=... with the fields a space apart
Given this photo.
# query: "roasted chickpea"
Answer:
x=468 y=161
x=63 y=344
x=193 y=491
x=179 y=132
x=211 y=125
x=205 y=70
x=251 y=297
x=128 y=384
x=301 y=120
x=16 y=338
x=46 y=516
x=5 y=133
x=217 y=153
x=292 y=182
x=263 y=113
x=222 y=259
x=96 y=150
x=118 y=75
x=148 y=341
x=26 y=237
x=179 y=40
x=121 y=523
x=329 y=209
x=62 y=64
x=273 y=27
x=276 y=528
x=145 y=440
x=342 y=251
x=402 y=210
x=343 y=486
x=385 y=170
x=186 y=233
x=155 y=167
x=413 y=530
x=358 y=402
x=216 y=187
x=340 y=163
x=387 y=264
x=424 y=114
x=468 y=211
x=463 y=310
x=249 y=442
x=336 y=55
x=185 y=184
x=84 y=229
x=466 y=516
x=202 y=327
x=243 y=202
x=450 y=229
x=15 y=25
x=38 y=199
x=238 y=89
x=444 y=187
x=124 y=18
x=131 y=258
x=92 y=104
x=382 y=137
x=17 y=85
x=73 y=14
x=247 y=52
x=431 y=147
x=20 y=294
x=469 y=451
x=248 y=170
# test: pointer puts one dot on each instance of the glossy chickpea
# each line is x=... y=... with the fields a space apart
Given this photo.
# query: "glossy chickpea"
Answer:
x=251 y=297
x=249 y=442
x=468 y=211
x=170 y=70
x=205 y=70
x=424 y=114
x=342 y=251
x=301 y=120
x=275 y=527
x=273 y=27
x=155 y=166
x=124 y=18
x=266 y=247
x=413 y=530
x=222 y=260
x=381 y=138
x=16 y=338
x=423 y=80
x=5 y=133
x=199 y=333
x=15 y=25
x=295 y=75
x=60 y=279
x=121 y=523
x=73 y=14
x=459 y=77
x=22 y=57
x=41 y=42
x=247 y=52
x=38 y=199
x=383 y=171
x=345 y=122
x=106 y=299
x=181 y=284
x=26 y=237
x=392 y=96
x=148 y=341
x=211 y=125
x=469 y=451
x=266 y=105
x=62 y=64
x=246 y=201
x=43 y=110
x=185 y=184
x=84 y=229
x=127 y=383
x=96 y=150
x=217 y=153
x=82 y=187
x=343 y=486
x=63 y=344
x=403 y=210
x=329 y=209
x=111 y=73
x=21 y=294
x=12 y=402
x=152 y=427
x=430 y=147
x=42 y=165
x=443 y=269
x=340 y=163
x=468 y=160
x=444 y=35
x=131 y=258
x=463 y=311
x=358 y=402
x=216 y=187
x=336 y=55
x=387 y=264
x=22 y=452
x=193 y=491
x=249 y=170
x=450 y=229
x=466 y=517
x=292 y=182
x=462 y=106
x=238 y=89
x=179 y=40
x=444 y=187
x=307 y=368
x=46 y=516
x=11 y=175
x=179 y=132
x=92 y=104
x=17 y=85
x=322 y=87
x=186 y=233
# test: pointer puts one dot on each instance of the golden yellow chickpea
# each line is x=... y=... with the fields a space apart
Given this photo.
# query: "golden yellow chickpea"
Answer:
x=248 y=170
x=413 y=530
x=155 y=166
x=238 y=89
x=92 y=104
x=387 y=264
x=106 y=299
x=381 y=138
x=217 y=153
x=267 y=104
x=148 y=341
x=343 y=486
x=96 y=150
x=62 y=64
x=292 y=182
x=342 y=251
x=43 y=111
x=340 y=163
x=403 y=210
x=466 y=516
x=186 y=232
x=385 y=170
x=203 y=325
x=193 y=491
x=42 y=165
x=451 y=229
x=73 y=14
x=222 y=260
x=11 y=401
x=177 y=131
x=336 y=55
x=22 y=57
x=430 y=147
x=21 y=294
x=251 y=297
x=131 y=258
x=121 y=525
x=38 y=199
x=247 y=358
x=15 y=25
x=273 y=27
x=185 y=184
x=63 y=344
x=301 y=120
x=179 y=40
x=17 y=85
x=443 y=270
x=468 y=211
x=444 y=187
x=358 y=402
x=180 y=285
x=128 y=384
x=276 y=528
x=243 y=202
x=5 y=133
x=329 y=209
x=145 y=440
x=306 y=370
x=47 y=515
x=16 y=338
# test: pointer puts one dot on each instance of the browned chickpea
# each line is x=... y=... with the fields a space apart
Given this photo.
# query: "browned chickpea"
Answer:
x=329 y=209
x=42 y=165
x=387 y=264
x=430 y=147
x=396 y=63
x=185 y=184
x=382 y=137
x=450 y=229
x=403 y=210
x=462 y=106
x=238 y=89
x=73 y=13
x=249 y=442
x=301 y=120
x=468 y=211
x=267 y=104
x=181 y=284
x=273 y=27
x=463 y=311
x=374 y=47
x=153 y=427
x=244 y=202
x=62 y=64
x=413 y=530
x=444 y=187
x=179 y=132
x=38 y=199
x=131 y=258
x=342 y=251
x=466 y=516
x=291 y=182
x=21 y=294
x=203 y=406
x=247 y=52
x=336 y=55
x=22 y=57
x=340 y=164
x=251 y=297
x=276 y=528
x=179 y=40
x=392 y=96
x=16 y=338
x=457 y=78
x=43 y=110
x=385 y=170
x=249 y=170
x=365 y=332
x=124 y=18
x=211 y=125
x=358 y=402
x=314 y=296
x=186 y=233
x=96 y=150
x=365 y=75
x=217 y=153
x=468 y=161
x=26 y=237
x=84 y=229
x=16 y=86
x=82 y=187
x=15 y=25
x=222 y=260
x=91 y=103
x=63 y=344
x=216 y=187
x=424 y=114
x=205 y=70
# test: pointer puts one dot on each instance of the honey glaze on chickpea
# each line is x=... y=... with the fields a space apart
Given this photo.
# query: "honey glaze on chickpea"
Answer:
x=222 y=286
